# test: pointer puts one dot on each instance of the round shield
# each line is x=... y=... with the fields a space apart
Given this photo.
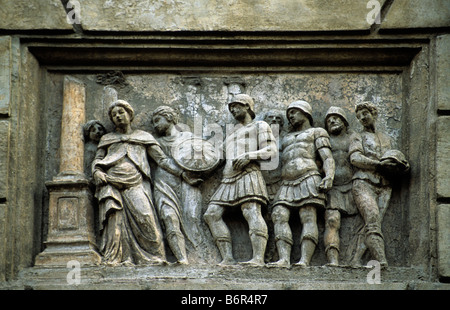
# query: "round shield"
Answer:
x=195 y=154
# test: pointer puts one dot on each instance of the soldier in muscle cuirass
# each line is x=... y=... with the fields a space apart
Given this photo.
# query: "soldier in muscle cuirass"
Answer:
x=302 y=189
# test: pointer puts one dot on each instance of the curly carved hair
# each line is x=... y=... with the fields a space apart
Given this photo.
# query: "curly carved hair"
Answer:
x=367 y=105
x=169 y=113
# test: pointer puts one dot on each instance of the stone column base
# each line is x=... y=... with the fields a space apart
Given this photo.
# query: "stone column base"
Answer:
x=71 y=234
x=61 y=255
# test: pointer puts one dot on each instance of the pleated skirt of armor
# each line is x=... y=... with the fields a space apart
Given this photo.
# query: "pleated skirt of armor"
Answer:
x=248 y=186
x=300 y=192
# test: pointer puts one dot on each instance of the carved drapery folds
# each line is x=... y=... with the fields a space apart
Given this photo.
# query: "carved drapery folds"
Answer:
x=288 y=180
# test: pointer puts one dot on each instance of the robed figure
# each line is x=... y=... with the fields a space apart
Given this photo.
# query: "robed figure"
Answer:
x=129 y=226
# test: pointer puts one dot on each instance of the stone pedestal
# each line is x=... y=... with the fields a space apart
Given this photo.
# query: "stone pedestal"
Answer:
x=71 y=234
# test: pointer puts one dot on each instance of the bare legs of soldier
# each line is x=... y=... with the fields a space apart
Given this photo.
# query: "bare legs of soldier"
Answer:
x=257 y=230
x=331 y=236
x=310 y=234
x=221 y=234
x=283 y=235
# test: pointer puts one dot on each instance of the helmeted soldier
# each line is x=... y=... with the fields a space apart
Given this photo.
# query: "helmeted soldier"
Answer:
x=243 y=184
x=302 y=188
x=340 y=199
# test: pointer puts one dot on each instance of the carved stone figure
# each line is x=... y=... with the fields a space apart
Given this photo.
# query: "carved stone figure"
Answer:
x=130 y=231
x=242 y=184
x=340 y=199
x=302 y=188
x=374 y=156
x=273 y=176
x=169 y=191
x=93 y=130
x=198 y=157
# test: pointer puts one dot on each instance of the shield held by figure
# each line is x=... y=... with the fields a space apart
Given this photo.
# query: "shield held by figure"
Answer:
x=196 y=155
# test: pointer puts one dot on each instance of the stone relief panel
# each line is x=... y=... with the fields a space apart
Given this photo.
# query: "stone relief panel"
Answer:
x=197 y=106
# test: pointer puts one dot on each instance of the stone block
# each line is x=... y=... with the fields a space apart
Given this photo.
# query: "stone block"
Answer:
x=3 y=214
x=33 y=15
x=211 y=278
x=228 y=15
x=443 y=157
x=71 y=233
x=4 y=156
x=417 y=14
x=443 y=225
x=5 y=74
x=443 y=72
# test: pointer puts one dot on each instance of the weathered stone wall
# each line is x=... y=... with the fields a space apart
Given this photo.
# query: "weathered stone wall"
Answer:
x=184 y=53
x=22 y=186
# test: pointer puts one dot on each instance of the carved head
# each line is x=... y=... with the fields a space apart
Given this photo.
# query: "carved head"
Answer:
x=163 y=117
x=93 y=130
x=369 y=106
x=274 y=118
x=304 y=107
x=245 y=100
x=367 y=113
x=335 y=120
x=124 y=104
